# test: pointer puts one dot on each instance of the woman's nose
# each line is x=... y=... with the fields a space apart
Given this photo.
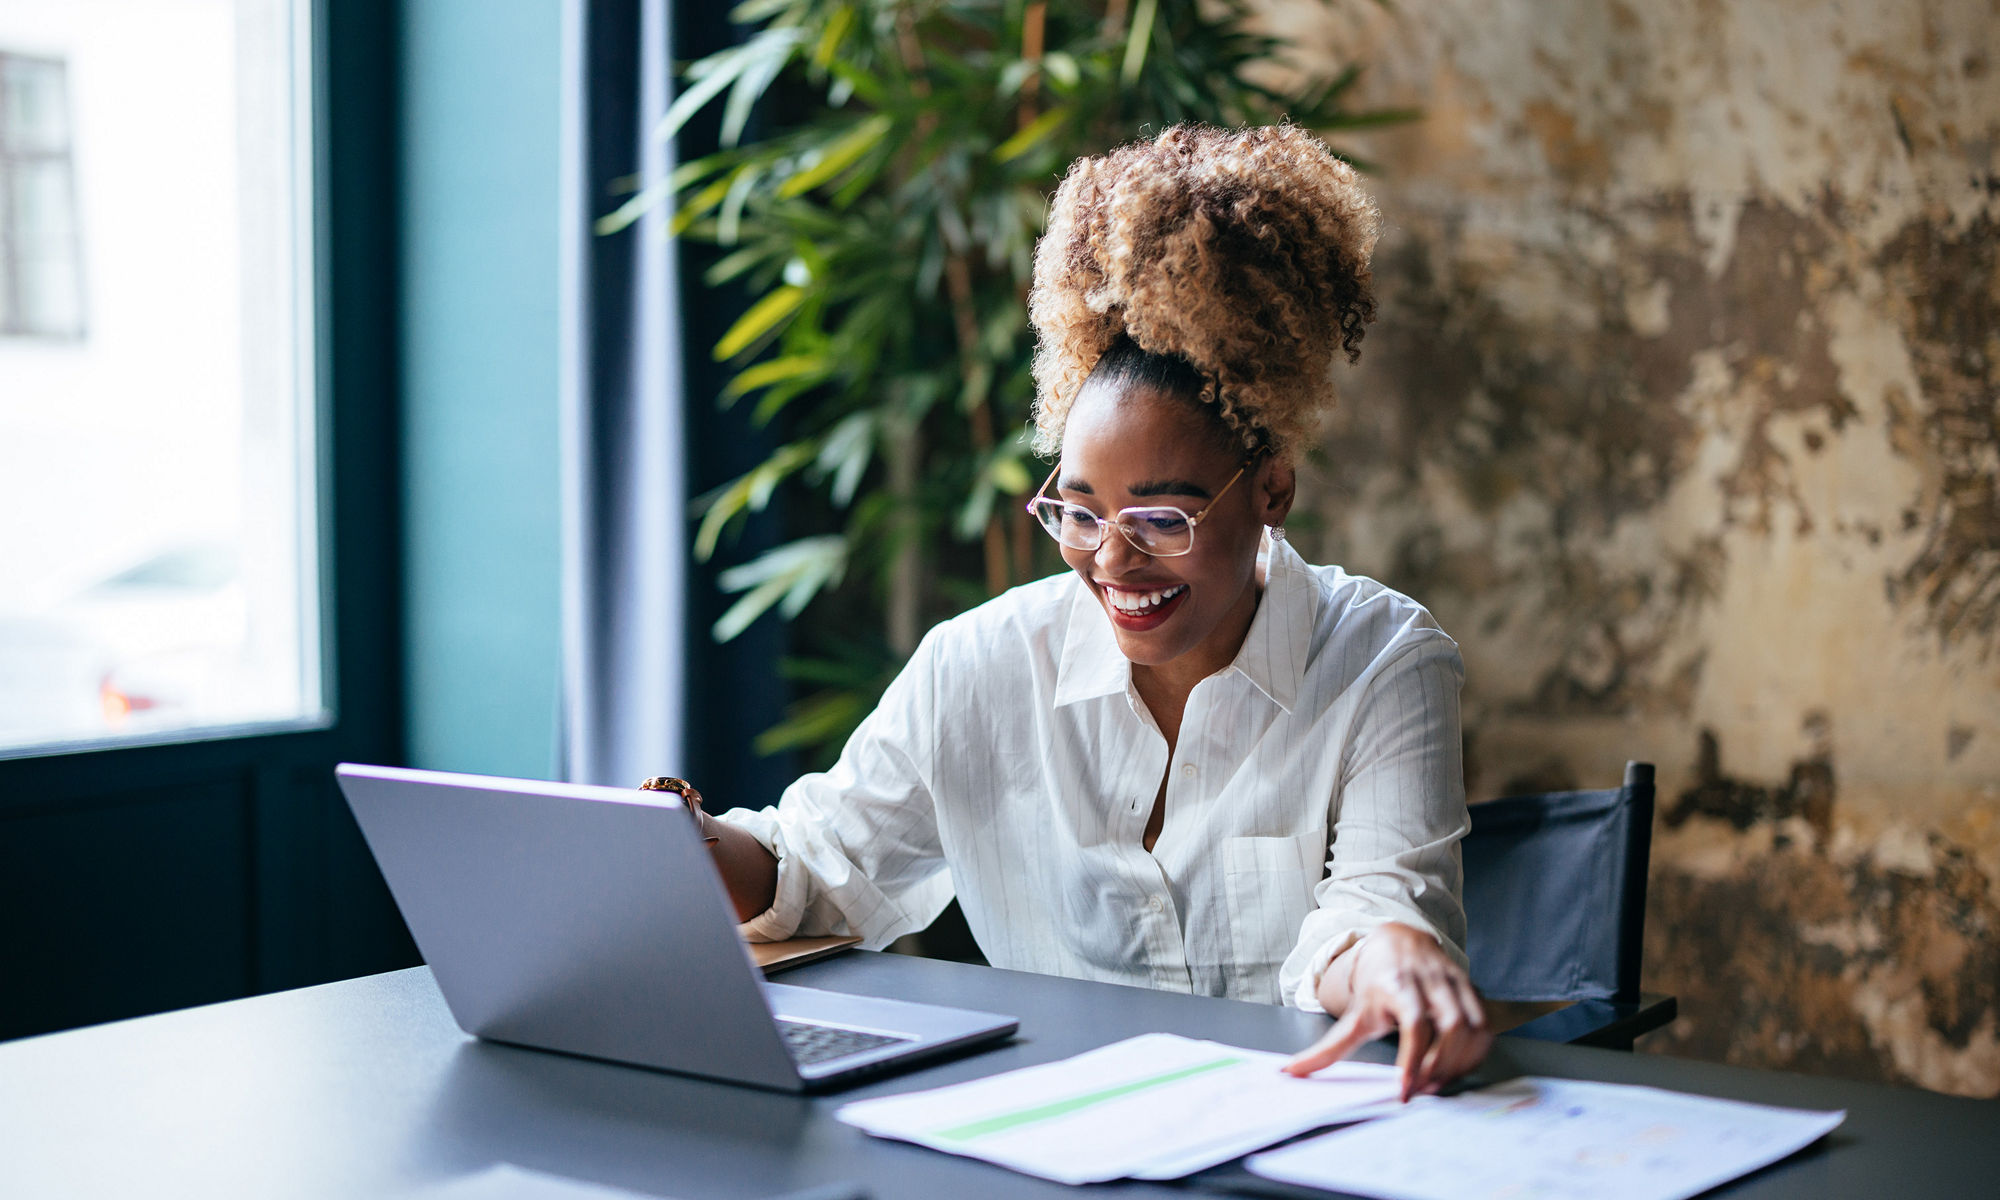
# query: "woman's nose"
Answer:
x=1116 y=553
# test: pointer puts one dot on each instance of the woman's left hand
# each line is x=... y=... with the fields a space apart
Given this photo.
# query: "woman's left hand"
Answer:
x=1397 y=978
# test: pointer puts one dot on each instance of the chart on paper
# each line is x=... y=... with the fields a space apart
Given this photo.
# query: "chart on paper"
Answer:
x=1555 y=1139
x=1152 y=1107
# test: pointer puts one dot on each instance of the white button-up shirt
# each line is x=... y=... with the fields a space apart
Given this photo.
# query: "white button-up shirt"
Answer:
x=1316 y=791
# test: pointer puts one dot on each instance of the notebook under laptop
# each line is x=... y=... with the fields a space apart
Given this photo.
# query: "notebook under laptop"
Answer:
x=591 y=920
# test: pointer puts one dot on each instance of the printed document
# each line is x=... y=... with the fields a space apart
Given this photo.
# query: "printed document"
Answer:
x=1150 y=1107
x=1560 y=1139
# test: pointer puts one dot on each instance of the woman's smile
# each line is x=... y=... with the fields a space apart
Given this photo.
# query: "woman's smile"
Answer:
x=1138 y=609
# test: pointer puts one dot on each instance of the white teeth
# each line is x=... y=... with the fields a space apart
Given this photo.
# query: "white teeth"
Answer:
x=1138 y=602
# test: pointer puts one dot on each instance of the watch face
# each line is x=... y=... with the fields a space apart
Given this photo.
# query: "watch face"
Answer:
x=680 y=787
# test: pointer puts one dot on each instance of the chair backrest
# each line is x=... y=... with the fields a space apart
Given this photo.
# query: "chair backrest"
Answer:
x=1555 y=892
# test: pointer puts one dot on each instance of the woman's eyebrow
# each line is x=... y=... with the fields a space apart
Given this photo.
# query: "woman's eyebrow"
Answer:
x=1169 y=487
x=1145 y=487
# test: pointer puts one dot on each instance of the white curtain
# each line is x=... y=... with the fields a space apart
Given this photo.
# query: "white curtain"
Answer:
x=623 y=453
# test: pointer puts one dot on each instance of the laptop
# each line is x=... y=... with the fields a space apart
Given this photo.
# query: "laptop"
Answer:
x=591 y=921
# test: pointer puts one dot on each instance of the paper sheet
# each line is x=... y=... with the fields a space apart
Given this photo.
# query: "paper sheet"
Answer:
x=1555 y=1139
x=1150 y=1107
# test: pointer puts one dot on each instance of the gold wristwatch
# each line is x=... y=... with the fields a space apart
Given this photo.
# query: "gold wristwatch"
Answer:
x=686 y=791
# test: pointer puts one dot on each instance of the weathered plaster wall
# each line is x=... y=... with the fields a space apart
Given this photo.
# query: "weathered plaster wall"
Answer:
x=1681 y=414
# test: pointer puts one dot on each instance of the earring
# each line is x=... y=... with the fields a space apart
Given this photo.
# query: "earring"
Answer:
x=1277 y=533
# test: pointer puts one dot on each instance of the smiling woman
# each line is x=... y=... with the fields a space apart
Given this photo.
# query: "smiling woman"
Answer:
x=1196 y=762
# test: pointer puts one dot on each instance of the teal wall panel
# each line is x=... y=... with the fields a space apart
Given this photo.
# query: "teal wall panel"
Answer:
x=479 y=163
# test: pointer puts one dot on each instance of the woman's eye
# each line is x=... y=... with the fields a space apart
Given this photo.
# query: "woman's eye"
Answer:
x=1082 y=518
x=1166 y=522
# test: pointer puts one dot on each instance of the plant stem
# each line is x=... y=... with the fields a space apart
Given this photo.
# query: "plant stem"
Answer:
x=906 y=583
x=1034 y=27
x=978 y=418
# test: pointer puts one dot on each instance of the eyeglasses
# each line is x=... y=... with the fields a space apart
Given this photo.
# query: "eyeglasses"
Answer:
x=1163 y=532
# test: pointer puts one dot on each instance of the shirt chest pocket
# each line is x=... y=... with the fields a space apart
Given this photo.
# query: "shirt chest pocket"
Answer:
x=1269 y=884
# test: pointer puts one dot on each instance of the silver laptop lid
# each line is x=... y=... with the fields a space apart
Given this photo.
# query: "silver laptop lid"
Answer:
x=575 y=918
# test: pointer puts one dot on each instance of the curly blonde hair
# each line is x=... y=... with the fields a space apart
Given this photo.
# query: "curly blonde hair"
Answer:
x=1243 y=252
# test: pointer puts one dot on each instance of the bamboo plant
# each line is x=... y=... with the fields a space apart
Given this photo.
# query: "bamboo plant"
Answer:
x=885 y=239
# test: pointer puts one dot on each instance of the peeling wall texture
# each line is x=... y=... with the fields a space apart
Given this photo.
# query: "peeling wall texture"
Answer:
x=1681 y=414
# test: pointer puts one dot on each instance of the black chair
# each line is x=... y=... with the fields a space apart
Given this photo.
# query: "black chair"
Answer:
x=1555 y=901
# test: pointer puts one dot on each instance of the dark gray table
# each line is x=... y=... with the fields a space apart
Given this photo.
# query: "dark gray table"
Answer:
x=366 y=1088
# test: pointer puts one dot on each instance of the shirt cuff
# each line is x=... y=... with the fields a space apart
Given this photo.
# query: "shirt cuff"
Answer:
x=780 y=922
x=1306 y=994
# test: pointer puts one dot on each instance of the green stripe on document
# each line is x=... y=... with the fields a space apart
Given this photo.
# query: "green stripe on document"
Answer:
x=1002 y=1122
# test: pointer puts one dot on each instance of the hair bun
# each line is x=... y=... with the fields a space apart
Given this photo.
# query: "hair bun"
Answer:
x=1245 y=252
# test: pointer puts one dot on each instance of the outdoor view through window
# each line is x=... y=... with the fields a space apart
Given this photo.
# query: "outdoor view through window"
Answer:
x=158 y=547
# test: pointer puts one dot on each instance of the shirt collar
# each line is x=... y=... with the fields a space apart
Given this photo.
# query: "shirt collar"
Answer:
x=1091 y=664
x=1273 y=655
x=1275 y=650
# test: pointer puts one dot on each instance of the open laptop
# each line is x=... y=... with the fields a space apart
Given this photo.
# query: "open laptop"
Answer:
x=591 y=920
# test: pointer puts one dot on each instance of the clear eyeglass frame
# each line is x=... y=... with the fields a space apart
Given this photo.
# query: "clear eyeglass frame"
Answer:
x=1156 y=530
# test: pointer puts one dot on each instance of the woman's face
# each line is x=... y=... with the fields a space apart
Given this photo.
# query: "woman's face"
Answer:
x=1135 y=448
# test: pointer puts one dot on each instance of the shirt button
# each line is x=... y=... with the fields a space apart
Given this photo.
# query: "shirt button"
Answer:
x=1187 y=770
x=1156 y=904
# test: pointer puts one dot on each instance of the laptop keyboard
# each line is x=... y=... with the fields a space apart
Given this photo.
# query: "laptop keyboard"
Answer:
x=817 y=1043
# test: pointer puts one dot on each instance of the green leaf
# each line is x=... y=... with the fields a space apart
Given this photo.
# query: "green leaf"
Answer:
x=771 y=55
x=775 y=370
x=683 y=176
x=823 y=719
x=830 y=38
x=839 y=155
x=1062 y=68
x=859 y=82
x=750 y=491
x=1014 y=76
x=734 y=264
x=688 y=213
x=752 y=11
x=725 y=68
x=972 y=515
x=788 y=576
x=1030 y=135
x=762 y=317
x=775 y=400
x=729 y=220
x=1010 y=476
x=1137 y=41
x=722 y=70
x=625 y=214
x=846 y=453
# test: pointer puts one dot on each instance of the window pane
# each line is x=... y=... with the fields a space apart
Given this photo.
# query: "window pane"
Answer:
x=158 y=557
x=46 y=296
x=32 y=95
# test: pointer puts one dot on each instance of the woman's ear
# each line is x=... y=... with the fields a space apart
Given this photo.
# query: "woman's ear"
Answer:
x=1276 y=487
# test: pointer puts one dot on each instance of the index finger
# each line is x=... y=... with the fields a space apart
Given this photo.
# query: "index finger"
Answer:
x=1339 y=1042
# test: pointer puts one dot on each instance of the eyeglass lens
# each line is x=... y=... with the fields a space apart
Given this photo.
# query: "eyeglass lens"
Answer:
x=1162 y=532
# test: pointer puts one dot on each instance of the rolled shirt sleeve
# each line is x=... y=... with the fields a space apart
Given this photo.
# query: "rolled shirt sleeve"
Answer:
x=857 y=846
x=1397 y=818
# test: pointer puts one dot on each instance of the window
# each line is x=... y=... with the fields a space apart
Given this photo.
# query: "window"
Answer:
x=159 y=554
x=41 y=289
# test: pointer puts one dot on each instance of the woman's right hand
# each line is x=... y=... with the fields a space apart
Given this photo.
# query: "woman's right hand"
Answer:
x=1398 y=980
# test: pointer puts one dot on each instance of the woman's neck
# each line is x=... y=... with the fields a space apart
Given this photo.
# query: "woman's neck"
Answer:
x=1165 y=687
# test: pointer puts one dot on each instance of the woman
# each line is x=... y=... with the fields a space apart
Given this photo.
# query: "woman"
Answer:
x=1199 y=763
